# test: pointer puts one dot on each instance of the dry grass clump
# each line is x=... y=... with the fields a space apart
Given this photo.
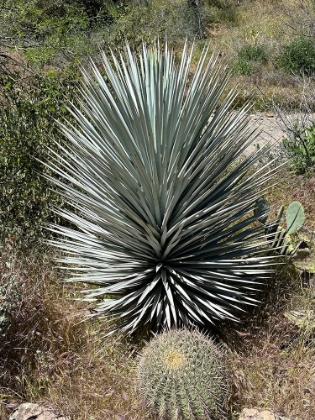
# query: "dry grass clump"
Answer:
x=274 y=366
x=48 y=354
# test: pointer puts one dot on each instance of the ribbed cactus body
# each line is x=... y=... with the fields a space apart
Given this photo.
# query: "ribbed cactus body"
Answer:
x=183 y=377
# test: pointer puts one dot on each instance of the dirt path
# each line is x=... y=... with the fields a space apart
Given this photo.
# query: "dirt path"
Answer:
x=272 y=128
x=270 y=131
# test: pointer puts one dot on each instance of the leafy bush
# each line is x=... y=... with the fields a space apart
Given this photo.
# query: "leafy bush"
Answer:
x=281 y=238
x=153 y=19
x=177 y=20
x=300 y=147
x=57 y=33
x=60 y=8
x=48 y=33
x=298 y=57
x=165 y=224
x=27 y=128
x=182 y=375
x=218 y=11
x=248 y=55
x=254 y=52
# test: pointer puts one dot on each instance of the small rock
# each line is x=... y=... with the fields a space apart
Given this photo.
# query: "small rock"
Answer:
x=12 y=404
x=254 y=414
x=303 y=319
x=29 y=411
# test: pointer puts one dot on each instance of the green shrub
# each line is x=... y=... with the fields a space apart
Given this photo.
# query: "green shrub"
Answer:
x=243 y=67
x=280 y=237
x=298 y=57
x=165 y=227
x=182 y=375
x=254 y=52
x=154 y=19
x=300 y=147
x=27 y=128
x=248 y=55
x=177 y=20
x=218 y=11
x=48 y=33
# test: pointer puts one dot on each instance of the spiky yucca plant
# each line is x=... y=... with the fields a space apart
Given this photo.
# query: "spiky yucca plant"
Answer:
x=162 y=203
x=183 y=375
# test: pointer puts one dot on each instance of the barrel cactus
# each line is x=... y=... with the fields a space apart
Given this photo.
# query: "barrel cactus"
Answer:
x=183 y=375
x=159 y=195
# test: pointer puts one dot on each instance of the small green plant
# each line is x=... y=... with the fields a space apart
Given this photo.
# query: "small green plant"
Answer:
x=300 y=147
x=298 y=57
x=248 y=55
x=182 y=375
x=155 y=18
x=27 y=128
x=295 y=217
x=280 y=238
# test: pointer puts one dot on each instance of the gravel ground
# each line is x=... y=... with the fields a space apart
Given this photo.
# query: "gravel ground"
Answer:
x=272 y=129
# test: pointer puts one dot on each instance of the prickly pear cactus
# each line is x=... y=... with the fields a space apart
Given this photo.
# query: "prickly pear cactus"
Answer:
x=295 y=217
x=279 y=237
x=182 y=376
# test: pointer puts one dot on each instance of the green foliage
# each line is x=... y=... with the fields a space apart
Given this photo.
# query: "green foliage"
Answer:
x=46 y=33
x=147 y=21
x=298 y=57
x=27 y=128
x=182 y=375
x=65 y=31
x=254 y=52
x=165 y=226
x=248 y=55
x=218 y=11
x=301 y=148
x=93 y=8
x=280 y=239
x=295 y=217
x=177 y=20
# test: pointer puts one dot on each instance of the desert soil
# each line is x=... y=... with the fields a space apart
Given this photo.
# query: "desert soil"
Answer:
x=272 y=128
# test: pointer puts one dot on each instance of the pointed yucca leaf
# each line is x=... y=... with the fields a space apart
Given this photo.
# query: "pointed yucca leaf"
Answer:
x=161 y=201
